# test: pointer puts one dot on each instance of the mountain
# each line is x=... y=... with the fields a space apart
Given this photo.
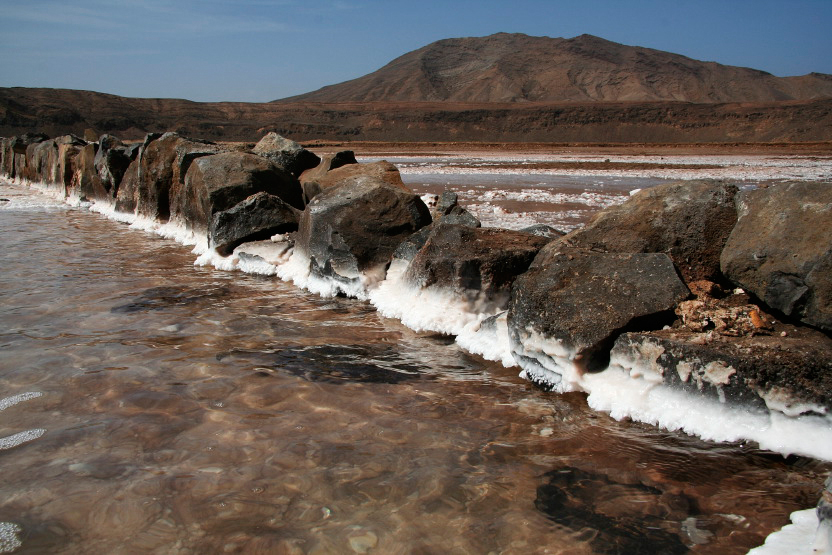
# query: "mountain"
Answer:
x=519 y=68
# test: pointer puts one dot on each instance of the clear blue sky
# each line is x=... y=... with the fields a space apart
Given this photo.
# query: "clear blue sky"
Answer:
x=261 y=50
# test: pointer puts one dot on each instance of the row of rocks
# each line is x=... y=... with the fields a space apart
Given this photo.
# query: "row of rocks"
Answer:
x=717 y=291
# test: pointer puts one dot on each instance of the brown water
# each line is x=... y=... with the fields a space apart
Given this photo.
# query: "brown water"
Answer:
x=188 y=410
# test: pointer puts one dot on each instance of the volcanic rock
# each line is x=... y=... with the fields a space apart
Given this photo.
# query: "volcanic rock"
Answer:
x=478 y=261
x=258 y=217
x=163 y=165
x=217 y=183
x=689 y=221
x=353 y=229
x=791 y=374
x=286 y=154
x=111 y=161
x=383 y=170
x=781 y=250
x=567 y=310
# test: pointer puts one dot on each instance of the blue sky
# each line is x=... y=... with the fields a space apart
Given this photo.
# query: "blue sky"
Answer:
x=261 y=50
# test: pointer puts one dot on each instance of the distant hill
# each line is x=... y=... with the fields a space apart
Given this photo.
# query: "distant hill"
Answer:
x=60 y=111
x=520 y=68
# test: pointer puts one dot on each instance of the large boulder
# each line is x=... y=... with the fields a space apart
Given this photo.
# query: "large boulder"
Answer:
x=444 y=210
x=111 y=161
x=689 y=221
x=309 y=180
x=568 y=309
x=217 y=183
x=86 y=183
x=484 y=261
x=383 y=171
x=781 y=250
x=69 y=147
x=256 y=218
x=286 y=154
x=42 y=163
x=353 y=229
x=164 y=163
x=18 y=148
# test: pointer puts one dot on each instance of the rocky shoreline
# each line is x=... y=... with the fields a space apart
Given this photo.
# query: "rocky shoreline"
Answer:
x=712 y=292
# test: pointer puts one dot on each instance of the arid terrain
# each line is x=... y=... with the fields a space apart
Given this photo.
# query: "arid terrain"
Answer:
x=505 y=88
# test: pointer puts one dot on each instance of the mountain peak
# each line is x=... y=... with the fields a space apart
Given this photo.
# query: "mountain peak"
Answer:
x=515 y=67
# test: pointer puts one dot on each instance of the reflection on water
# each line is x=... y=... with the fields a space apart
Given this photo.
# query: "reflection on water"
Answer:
x=187 y=410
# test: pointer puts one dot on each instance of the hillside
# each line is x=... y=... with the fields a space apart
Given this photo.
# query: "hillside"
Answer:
x=60 y=111
x=520 y=68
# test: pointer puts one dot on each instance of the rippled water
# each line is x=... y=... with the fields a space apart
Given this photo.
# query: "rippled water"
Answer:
x=187 y=410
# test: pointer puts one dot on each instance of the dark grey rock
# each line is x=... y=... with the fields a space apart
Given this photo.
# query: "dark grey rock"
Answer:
x=111 y=162
x=578 y=302
x=216 y=183
x=689 y=221
x=356 y=227
x=781 y=250
x=256 y=218
x=482 y=260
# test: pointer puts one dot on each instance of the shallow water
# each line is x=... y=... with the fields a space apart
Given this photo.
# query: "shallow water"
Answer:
x=188 y=410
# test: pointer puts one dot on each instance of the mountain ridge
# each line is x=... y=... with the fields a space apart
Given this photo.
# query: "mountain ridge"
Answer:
x=514 y=67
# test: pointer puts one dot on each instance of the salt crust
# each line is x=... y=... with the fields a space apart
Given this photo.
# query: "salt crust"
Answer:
x=622 y=392
x=793 y=539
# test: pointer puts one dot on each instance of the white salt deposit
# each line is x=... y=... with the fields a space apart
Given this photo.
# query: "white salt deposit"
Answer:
x=9 y=540
x=801 y=537
x=19 y=398
x=428 y=308
x=14 y=440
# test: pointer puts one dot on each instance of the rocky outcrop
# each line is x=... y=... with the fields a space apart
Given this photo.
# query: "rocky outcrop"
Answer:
x=688 y=221
x=781 y=250
x=258 y=217
x=216 y=183
x=572 y=304
x=350 y=231
x=286 y=154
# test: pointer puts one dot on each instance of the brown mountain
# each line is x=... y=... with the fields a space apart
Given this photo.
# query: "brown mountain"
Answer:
x=519 y=68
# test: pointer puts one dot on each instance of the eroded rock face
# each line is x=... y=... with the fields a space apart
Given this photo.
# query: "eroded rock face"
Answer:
x=781 y=250
x=355 y=227
x=217 y=183
x=286 y=154
x=791 y=374
x=258 y=217
x=567 y=310
x=688 y=221
x=483 y=260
